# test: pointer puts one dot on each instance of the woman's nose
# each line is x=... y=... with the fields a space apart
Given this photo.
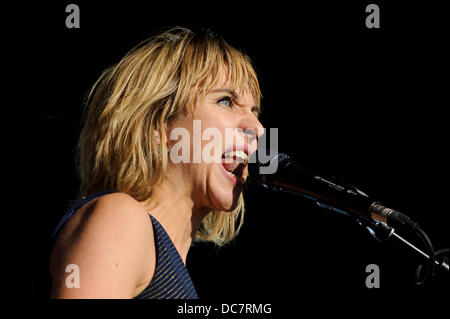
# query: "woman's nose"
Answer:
x=253 y=126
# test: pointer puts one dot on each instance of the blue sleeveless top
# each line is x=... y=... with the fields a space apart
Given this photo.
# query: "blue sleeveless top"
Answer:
x=171 y=279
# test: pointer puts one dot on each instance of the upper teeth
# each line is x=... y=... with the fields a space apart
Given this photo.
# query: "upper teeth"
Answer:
x=239 y=156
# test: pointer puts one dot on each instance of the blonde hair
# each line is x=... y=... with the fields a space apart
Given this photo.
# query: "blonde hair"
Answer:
x=136 y=97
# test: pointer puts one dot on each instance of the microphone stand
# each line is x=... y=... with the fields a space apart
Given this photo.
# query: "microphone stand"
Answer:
x=438 y=261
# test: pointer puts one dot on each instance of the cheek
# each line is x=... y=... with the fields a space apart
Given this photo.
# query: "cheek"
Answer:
x=214 y=135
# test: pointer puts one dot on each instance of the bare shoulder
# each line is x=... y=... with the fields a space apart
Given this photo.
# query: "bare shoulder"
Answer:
x=111 y=242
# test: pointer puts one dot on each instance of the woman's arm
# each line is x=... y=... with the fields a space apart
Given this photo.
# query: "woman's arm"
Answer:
x=111 y=241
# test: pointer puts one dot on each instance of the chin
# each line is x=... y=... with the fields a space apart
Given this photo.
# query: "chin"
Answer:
x=225 y=202
x=231 y=208
x=222 y=194
x=224 y=198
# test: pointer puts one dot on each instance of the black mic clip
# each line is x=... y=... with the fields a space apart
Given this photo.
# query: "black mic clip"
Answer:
x=378 y=230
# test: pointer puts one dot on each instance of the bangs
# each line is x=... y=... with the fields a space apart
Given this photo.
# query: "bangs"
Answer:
x=214 y=58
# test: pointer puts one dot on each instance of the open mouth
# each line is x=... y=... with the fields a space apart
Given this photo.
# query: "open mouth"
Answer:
x=234 y=163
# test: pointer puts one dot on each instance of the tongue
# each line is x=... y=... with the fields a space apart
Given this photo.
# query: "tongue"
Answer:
x=230 y=166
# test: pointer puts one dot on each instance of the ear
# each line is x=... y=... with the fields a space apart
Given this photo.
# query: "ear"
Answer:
x=158 y=138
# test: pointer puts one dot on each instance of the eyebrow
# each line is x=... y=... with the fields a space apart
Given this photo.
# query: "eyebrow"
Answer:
x=229 y=91
x=236 y=96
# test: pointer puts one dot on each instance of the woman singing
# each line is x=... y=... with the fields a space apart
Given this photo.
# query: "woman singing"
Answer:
x=140 y=206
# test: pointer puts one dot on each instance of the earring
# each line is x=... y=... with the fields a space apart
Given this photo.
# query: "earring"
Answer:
x=159 y=150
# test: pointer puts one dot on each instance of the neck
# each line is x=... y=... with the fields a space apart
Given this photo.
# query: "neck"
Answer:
x=174 y=208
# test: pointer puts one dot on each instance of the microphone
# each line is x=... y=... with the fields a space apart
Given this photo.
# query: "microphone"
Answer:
x=329 y=193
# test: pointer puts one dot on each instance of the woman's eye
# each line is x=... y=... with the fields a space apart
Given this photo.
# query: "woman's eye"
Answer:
x=226 y=101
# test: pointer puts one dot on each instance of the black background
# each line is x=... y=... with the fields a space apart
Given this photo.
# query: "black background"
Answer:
x=367 y=105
